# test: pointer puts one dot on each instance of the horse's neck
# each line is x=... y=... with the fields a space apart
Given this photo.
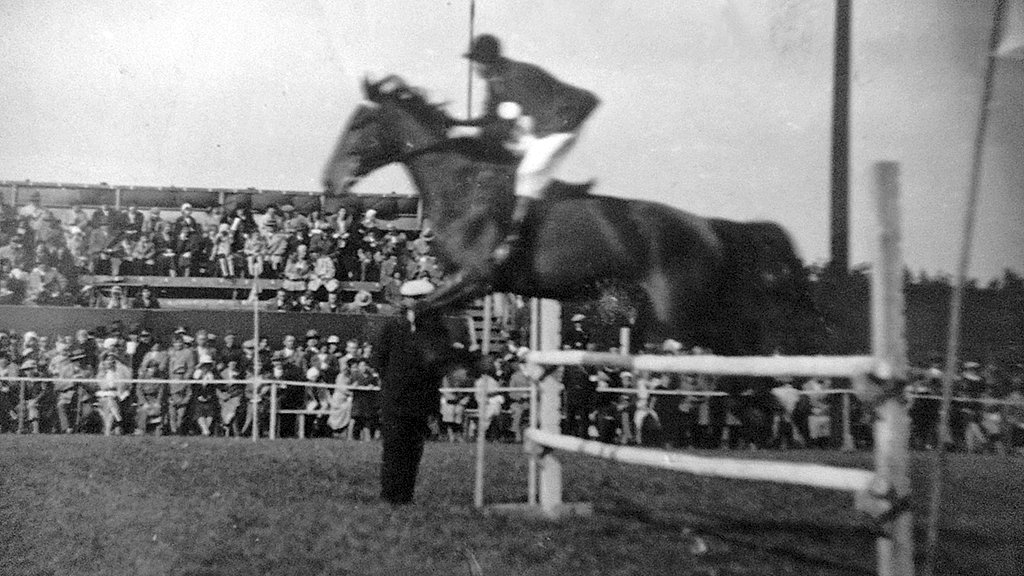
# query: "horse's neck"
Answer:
x=445 y=181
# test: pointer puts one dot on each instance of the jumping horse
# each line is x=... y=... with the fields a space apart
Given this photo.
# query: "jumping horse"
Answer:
x=708 y=282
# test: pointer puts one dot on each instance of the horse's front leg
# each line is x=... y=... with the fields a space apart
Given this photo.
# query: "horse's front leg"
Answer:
x=463 y=287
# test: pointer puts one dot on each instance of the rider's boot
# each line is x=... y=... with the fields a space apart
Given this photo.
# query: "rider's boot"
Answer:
x=513 y=238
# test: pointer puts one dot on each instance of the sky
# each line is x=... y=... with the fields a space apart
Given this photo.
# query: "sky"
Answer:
x=717 y=107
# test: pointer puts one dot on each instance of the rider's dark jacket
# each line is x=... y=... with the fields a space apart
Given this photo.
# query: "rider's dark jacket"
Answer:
x=554 y=105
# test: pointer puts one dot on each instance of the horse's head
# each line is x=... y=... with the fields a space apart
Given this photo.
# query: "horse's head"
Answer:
x=393 y=122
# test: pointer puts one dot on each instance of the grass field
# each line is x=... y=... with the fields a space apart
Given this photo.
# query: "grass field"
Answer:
x=85 y=505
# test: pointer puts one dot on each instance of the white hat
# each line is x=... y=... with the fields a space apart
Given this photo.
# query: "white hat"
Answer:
x=420 y=287
x=671 y=345
x=362 y=298
x=578 y=318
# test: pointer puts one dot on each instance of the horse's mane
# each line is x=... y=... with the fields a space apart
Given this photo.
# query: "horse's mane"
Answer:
x=412 y=99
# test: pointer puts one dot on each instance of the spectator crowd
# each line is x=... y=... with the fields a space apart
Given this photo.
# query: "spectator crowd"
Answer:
x=117 y=380
x=312 y=253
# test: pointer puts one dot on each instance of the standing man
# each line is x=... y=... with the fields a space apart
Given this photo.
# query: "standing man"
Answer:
x=538 y=116
x=411 y=355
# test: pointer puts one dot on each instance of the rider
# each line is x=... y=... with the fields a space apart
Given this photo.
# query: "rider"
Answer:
x=545 y=116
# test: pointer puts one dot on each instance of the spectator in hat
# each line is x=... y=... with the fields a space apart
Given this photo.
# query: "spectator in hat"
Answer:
x=412 y=354
x=12 y=284
x=307 y=302
x=114 y=382
x=255 y=250
x=77 y=246
x=293 y=220
x=145 y=300
x=368 y=229
x=223 y=250
x=46 y=285
x=229 y=396
x=292 y=396
x=311 y=346
x=150 y=398
x=15 y=253
x=365 y=411
x=165 y=256
x=291 y=353
x=62 y=368
x=230 y=350
x=35 y=391
x=362 y=303
x=101 y=242
x=204 y=396
x=576 y=337
x=184 y=221
x=270 y=219
x=181 y=363
x=144 y=255
x=277 y=248
x=151 y=220
x=331 y=305
x=8 y=394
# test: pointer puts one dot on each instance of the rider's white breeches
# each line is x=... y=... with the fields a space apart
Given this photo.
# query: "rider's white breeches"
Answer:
x=539 y=162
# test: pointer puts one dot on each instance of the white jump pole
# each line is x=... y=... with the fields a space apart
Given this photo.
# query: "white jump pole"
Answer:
x=550 y=467
x=892 y=425
x=532 y=464
x=481 y=438
x=481 y=408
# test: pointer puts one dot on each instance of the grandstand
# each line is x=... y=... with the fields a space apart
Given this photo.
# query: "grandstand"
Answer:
x=398 y=211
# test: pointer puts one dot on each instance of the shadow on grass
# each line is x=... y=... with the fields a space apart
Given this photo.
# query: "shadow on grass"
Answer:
x=751 y=535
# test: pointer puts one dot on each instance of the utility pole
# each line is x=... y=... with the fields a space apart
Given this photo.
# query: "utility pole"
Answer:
x=840 y=183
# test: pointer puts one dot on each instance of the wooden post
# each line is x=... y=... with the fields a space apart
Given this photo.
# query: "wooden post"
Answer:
x=624 y=340
x=550 y=467
x=848 y=443
x=481 y=439
x=534 y=324
x=531 y=473
x=256 y=368
x=21 y=407
x=892 y=426
x=272 y=433
x=533 y=465
x=550 y=324
x=485 y=344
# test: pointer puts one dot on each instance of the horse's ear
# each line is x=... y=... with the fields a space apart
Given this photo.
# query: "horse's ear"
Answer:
x=367 y=86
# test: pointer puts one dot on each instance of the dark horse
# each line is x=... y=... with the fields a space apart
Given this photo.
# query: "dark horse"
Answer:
x=708 y=282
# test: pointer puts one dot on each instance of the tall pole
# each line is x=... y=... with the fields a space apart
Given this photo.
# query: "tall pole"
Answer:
x=956 y=301
x=469 y=63
x=255 y=359
x=840 y=182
